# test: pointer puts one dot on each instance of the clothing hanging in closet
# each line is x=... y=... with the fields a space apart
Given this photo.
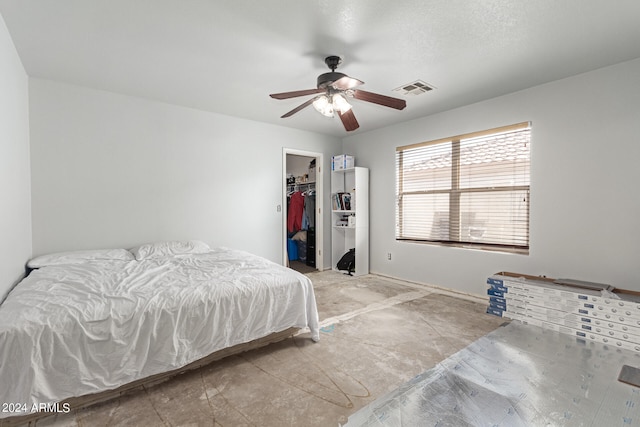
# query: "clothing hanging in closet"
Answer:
x=301 y=211
x=296 y=210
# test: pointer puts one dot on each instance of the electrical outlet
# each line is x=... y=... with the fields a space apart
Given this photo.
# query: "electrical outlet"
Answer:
x=389 y=256
x=278 y=208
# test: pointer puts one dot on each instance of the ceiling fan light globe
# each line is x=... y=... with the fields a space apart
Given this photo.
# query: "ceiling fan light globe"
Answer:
x=340 y=103
x=323 y=106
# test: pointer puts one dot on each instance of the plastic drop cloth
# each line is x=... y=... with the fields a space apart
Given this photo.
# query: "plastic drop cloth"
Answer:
x=517 y=375
x=71 y=330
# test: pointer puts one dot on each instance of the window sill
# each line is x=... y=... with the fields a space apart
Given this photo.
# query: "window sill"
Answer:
x=472 y=246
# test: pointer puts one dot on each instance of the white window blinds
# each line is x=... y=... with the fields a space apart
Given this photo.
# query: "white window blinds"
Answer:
x=470 y=189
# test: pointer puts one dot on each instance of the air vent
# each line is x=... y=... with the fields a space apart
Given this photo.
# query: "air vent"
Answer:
x=415 y=88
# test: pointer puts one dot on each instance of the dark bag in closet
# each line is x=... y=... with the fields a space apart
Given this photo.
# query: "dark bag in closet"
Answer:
x=348 y=262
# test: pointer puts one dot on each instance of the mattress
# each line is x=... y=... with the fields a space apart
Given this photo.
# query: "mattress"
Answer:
x=76 y=329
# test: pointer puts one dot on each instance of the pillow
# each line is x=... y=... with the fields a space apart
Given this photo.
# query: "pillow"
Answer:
x=170 y=248
x=80 y=257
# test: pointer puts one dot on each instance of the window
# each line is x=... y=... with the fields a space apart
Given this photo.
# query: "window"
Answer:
x=470 y=190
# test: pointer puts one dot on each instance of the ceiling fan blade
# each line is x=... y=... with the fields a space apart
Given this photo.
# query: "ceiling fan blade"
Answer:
x=376 y=98
x=346 y=82
x=298 y=108
x=287 y=95
x=349 y=120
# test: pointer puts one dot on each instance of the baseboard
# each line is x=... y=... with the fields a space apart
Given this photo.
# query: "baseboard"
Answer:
x=437 y=289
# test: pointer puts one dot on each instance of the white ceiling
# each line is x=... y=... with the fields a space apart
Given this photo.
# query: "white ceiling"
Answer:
x=227 y=56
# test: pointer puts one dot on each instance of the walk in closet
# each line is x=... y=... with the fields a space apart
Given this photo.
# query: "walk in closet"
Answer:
x=300 y=211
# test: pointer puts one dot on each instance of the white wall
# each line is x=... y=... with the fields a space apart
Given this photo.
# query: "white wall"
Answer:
x=15 y=200
x=115 y=171
x=585 y=202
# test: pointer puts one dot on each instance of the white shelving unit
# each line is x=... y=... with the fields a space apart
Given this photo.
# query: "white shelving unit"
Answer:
x=355 y=182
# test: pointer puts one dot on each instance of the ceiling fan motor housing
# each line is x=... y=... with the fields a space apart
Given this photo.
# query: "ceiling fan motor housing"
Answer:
x=326 y=79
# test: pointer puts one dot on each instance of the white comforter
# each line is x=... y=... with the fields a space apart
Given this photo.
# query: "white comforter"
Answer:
x=72 y=330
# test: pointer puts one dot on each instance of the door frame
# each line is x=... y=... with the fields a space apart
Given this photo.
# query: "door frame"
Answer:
x=319 y=201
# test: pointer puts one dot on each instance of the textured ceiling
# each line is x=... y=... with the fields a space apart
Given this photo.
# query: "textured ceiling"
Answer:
x=228 y=56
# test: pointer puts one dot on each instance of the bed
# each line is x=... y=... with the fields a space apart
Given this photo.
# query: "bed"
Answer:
x=86 y=322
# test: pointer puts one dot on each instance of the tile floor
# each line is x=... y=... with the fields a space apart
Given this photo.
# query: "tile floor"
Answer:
x=377 y=333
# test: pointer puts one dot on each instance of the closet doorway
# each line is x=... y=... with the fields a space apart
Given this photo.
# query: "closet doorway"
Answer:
x=302 y=210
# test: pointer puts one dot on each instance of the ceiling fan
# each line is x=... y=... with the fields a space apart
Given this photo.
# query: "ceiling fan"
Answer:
x=331 y=96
